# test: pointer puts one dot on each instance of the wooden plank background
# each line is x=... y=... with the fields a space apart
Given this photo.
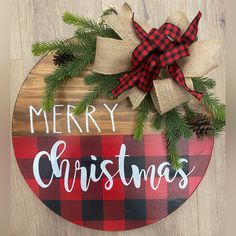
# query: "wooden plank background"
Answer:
x=33 y=20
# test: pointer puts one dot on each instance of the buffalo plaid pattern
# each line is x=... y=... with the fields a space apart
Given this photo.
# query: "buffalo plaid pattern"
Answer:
x=122 y=207
x=158 y=49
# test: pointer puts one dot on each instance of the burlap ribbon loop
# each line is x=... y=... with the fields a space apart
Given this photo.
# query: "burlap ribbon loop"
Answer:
x=114 y=56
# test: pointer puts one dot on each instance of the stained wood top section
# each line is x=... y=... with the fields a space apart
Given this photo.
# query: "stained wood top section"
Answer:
x=70 y=93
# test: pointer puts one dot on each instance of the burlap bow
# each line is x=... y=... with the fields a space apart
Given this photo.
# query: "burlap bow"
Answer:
x=114 y=56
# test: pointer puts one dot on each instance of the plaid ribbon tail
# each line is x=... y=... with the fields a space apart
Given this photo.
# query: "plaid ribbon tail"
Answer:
x=179 y=78
x=127 y=81
x=140 y=32
x=191 y=33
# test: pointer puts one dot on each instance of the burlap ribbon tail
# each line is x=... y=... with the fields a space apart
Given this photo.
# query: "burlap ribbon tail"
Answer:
x=114 y=56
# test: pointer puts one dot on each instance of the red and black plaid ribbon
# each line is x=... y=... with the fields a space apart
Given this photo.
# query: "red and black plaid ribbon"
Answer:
x=158 y=49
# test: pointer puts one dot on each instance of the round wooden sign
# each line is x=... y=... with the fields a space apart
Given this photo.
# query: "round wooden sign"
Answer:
x=89 y=169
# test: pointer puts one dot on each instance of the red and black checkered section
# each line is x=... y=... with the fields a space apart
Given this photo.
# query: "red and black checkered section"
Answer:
x=123 y=207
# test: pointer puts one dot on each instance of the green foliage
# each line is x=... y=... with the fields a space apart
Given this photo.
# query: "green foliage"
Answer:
x=104 y=85
x=190 y=113
x=109 y=11
x=80 y=48
x=85 y=25
x=80 y=21
x=172 y=150
x=174 y=127
x=60 y=75
x=142 y=116
x=87 y=101
x=218 y=126
x=93 y=79
x=177 y=123
x=215 y=106
x=157 y=122
x=203 y=84
x=42 y=48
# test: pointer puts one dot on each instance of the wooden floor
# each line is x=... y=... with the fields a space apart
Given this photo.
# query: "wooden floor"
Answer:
x=34 y=20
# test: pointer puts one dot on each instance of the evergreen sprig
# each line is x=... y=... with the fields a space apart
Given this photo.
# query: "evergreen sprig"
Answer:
x=109 y=11
x=93 y=78
x=82 y=48
x=85 y=25
x=218 y=127
x=157 y=122
x=175 y=128
x=104 y=85
x=60 y=75
x=42 y=48
x=190 y=112
x=142 y=116
x=203 y=84
x=215 y=106
x=80 y=21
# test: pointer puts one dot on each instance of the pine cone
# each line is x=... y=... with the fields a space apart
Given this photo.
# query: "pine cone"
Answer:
x=62 y=58
x=202 y=125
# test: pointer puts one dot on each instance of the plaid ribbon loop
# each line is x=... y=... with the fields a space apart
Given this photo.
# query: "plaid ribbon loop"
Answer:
x=158 y=49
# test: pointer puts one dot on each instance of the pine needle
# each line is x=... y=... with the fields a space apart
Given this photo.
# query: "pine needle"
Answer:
x=203 y=84
x=215 y=106
x=142 y=116
x=175 y=127
x=157 y=121
x=59 y=76
x=105 y=84
x=88 y=100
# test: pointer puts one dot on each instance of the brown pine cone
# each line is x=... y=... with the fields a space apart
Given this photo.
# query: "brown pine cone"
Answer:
x=62 y=58
x=202 y=125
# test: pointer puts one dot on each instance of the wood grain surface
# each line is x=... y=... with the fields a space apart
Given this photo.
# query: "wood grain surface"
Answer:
x=34 y=20
x=69 y=95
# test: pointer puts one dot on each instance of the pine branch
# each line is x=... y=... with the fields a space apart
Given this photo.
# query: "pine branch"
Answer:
x=42 y=48
x=157 y=122
x=175 y=127
x=84 y=37
x=203 y=84
x=80 y=21
x=84 y=24
x=60 y=75
x=215 y=106
x=190 y=113
x=104 y=31
x=82 y=48
x=109 y=11
x=218 y=127
x=176 y=122
x=142 y=117
x=105 y=84
x=172 y=151
x=88 y=100
x=93 y=79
